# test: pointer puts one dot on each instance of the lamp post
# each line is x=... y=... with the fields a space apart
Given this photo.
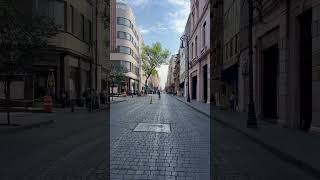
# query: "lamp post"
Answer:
x=252 y=120
x=186 y=38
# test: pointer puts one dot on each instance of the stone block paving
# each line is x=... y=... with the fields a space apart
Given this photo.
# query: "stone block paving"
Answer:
x=184 y=153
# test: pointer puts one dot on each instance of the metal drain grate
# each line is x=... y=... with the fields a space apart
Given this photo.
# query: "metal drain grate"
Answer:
x=142 y=127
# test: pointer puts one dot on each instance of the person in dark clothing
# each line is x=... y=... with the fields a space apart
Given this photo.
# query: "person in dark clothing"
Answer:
x=159 y=94
x=64 y=98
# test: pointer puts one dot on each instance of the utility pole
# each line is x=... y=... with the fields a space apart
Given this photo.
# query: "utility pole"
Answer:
x=252 y=120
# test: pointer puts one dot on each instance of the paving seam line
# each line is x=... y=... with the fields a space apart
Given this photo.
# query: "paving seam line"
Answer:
x=27 y=127
x=276 y=151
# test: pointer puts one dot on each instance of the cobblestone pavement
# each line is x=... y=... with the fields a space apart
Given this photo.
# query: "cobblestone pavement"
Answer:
x=72 y=148
x=181 y=154
x=184 y=153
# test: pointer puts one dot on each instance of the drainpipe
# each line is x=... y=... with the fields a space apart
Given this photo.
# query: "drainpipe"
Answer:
x=96 y=50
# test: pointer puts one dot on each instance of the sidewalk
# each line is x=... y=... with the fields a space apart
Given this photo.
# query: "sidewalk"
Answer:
x=198 y=106
x=118 y=99
x=289 y=144
x=22 y=121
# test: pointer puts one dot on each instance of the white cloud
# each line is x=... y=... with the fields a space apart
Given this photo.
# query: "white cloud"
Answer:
x=138 y=3
x=178 y=18
x=156 y=28
x=143 y=30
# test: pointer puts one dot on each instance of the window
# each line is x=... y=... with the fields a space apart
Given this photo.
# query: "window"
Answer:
x=236 y=43
x=124 y=21
x=123 y=49
x=90 y=30
x=193 y=20
x=231 y=47
x=204 y=34
x=126 y=65
x=72 y=18
x=197 y=6
x=82 y=27
x=196 y=46
x=191 y=50
x=58 y=13
x=124 y=35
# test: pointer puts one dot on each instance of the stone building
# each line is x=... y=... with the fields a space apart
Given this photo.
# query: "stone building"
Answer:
x=184 y=60
x=176 y=75
x=199 y=48
x=170 y=88
x=285 y=63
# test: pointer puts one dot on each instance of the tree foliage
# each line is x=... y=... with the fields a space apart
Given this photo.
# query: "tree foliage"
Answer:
x=152 y=57
x=116 y=73
x=21 y=36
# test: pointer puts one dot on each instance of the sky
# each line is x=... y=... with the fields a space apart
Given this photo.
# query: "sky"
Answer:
x=161 y=21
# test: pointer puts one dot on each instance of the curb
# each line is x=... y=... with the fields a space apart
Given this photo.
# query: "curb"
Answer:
x=27 y=127
x=196 y=109
x=276 y=151
x=115 y=102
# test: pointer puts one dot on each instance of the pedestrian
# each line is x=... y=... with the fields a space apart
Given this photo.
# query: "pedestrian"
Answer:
x=63 y=98
x=232 y=101
x=159 y=94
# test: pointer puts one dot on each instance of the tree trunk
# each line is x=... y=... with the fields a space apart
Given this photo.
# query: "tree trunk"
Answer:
x=145 y=86
x=112 y=92
x=7 y=96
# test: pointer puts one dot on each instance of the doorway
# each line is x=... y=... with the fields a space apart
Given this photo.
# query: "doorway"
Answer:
x=270 y=83
x=205 y=83
x=305 y=65
x=194 y=87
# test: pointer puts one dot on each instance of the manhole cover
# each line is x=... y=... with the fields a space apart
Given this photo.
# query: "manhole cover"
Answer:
x=153 y=127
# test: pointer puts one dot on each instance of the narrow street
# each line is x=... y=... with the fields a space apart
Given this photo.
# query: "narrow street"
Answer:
x=183 y=152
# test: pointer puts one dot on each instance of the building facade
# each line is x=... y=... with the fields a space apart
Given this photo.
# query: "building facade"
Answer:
x=74 y=60
x=128 y=48
x=170 y=83
x=285 y=60
x=199 y=51
x=184 y=60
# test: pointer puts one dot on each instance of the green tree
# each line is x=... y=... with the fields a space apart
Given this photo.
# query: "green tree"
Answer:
x=21 y=36
x=152 y=57
x=116 y=75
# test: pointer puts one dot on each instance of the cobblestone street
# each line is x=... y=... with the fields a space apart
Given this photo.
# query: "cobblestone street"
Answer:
x=184 y=153
x=181 y=154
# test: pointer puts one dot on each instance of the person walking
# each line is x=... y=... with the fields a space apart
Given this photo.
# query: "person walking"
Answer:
x=64 y=98
x=232 y=101
x=159 y=94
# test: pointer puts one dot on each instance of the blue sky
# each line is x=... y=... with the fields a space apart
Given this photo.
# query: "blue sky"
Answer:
x=161 y=21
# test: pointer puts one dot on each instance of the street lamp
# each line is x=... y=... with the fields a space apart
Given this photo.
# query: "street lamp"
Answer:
x=186 y=38
x=252 y=120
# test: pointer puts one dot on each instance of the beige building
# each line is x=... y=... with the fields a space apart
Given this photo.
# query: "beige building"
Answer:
x=199 y=51
x=75 y=60
x=128 y=48
x=170 y=84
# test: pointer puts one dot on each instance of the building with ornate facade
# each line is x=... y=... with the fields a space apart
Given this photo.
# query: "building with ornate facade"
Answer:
x=199 y=51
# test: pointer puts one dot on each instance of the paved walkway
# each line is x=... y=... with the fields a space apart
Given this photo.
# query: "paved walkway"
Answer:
x=203 y=107
x=291 y=145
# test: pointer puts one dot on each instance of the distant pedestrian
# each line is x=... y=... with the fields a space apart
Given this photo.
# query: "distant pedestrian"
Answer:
x=232 y=101
x=159 y=94
x=64 y=98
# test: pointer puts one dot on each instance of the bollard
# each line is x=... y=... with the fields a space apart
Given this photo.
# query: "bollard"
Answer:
x=151 y=100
